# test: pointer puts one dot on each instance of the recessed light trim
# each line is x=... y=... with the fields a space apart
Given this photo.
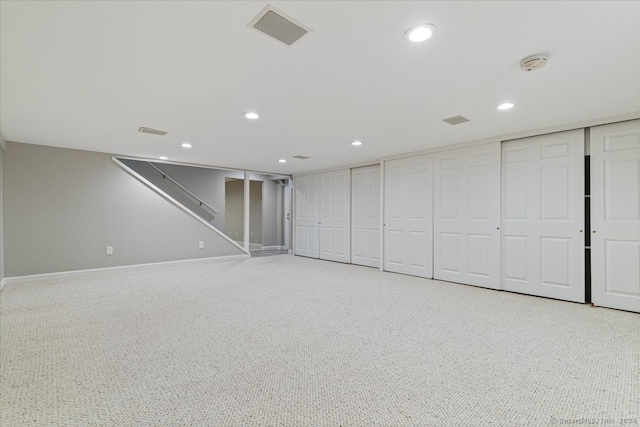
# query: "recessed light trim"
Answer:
x=420 y=33
x=251 y=115
x=282 y=160
x=506 y=106
x=356 y=143
x=163 y=158
x=186 y=145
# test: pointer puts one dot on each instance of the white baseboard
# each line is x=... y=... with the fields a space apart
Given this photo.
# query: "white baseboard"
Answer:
x=106 y=270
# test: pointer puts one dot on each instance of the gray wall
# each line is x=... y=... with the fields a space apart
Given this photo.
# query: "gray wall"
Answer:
x=255 y=212
x=234 y=191
x=207 y=184
x=269 y=211
x=234 y=210
x=63 y=207
x=157 y=177
x=2 y=146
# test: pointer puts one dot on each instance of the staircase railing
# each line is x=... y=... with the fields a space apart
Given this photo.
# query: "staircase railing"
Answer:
x=181 y=187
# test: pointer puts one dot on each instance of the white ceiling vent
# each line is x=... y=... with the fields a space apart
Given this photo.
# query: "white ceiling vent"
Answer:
x=279 y=26
x=456 y=120
x=301 y=157
x=152 y=131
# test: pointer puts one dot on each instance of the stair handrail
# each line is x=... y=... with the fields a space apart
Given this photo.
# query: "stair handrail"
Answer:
x=198 y=199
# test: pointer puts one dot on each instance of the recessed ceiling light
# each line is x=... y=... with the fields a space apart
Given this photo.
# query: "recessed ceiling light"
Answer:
x=506 y=106
x=186 y=145
x=251 y=115
x=420 y=33
x=356 y=143
x=163 y=158
x=283 y=160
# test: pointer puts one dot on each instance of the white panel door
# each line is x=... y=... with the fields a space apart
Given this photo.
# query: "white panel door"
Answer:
x=365 y=216
x=335 y=217
x=543 y=216
x=467 y=216
x=408 y=216
x=307 y=215
x=615 y=215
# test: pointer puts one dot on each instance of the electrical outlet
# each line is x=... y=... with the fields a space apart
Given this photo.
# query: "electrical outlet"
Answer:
x=201 y=245
x=109 y=250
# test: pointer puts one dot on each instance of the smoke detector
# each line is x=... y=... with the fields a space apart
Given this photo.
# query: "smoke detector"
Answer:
x=534 y=62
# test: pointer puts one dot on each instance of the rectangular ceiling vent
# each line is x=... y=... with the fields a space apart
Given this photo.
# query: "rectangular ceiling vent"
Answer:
x=456 y=120
x=301 y=157
x=152 y=131
x=279 y=26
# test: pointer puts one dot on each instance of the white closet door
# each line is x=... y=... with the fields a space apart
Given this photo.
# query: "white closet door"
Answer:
x=307 y=215
x=335 y=218
x=467 y=216
x=615 y=215
x=408 y=216
x=365 y=216
x=543 y=215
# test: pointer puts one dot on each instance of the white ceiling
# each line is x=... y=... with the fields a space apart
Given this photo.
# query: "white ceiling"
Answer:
x=87 y=75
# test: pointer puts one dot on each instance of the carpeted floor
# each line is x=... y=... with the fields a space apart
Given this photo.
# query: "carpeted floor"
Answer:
x=268 y=253
x=289 y=341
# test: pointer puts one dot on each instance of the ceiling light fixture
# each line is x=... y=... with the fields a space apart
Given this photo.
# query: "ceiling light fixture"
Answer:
x=283 y=160
x=186 y=145
x=163 y=158
x=356 y=143
x=251 y=115
x=420 y=33
x=506 y=106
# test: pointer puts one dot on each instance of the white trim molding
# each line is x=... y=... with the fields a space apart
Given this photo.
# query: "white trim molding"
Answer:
x=122 y=268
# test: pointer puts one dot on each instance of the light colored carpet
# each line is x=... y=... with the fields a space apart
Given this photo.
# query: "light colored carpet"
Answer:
x=288 y=341
x=271 y=252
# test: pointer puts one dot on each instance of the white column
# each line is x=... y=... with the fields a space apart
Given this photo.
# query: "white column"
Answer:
x=247 y=208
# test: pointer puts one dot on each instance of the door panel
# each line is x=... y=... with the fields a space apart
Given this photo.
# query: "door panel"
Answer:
x=467 y=215
x=408 y=216
x=365 y=216
x=480 y=255
x=306 y=216
x=335 y=241
x=615 y=215
x=543 y=215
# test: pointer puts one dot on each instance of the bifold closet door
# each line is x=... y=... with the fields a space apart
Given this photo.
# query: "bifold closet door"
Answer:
x=335 y=218
x=307 y=215
x=615 y=215
x=408 y=216
x=365 y=216
x=543 y=216
x=467 y=216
